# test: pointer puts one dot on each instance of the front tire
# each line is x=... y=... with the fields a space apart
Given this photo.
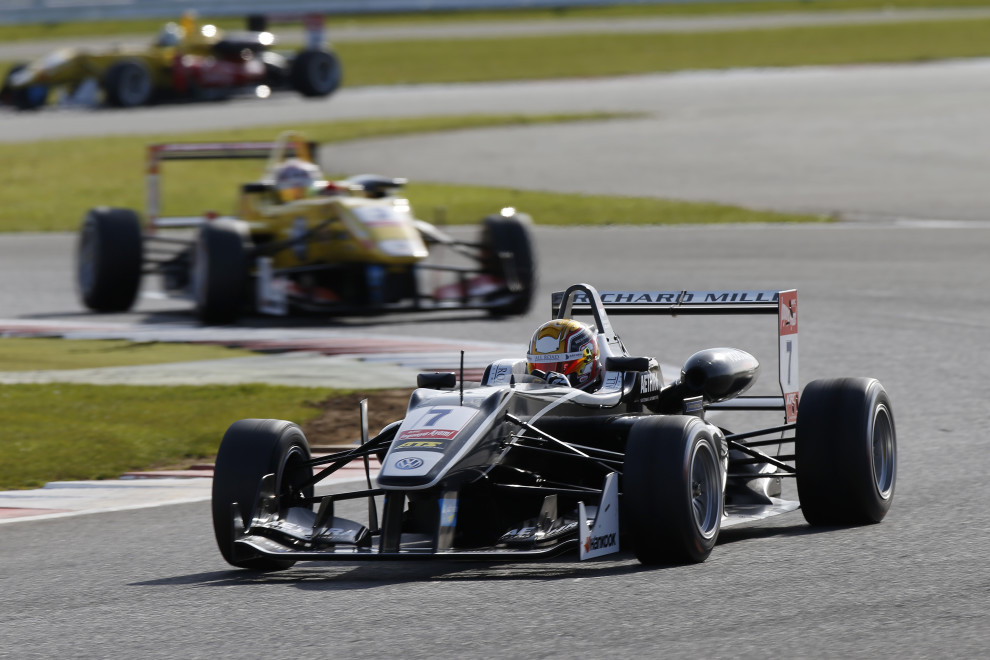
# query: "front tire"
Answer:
x=508 y=255
x=672 y=490
x=220 y=272
x=846 y=452
x=316 y=73
x=251 y=449
x=29 y=97
x=109 y=256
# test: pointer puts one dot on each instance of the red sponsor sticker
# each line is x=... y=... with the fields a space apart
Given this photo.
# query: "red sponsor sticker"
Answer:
x=787 y=312
x=427 y=434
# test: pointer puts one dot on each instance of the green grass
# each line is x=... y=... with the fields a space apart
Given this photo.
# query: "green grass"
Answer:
x=104 y=431
x=564 y=56
x=149 y=27
x=26 y=202
x=30 y=354
x=466 y=204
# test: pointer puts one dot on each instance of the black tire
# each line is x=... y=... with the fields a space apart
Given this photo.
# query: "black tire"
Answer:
x=219 y=277
x=109 y=256
x=316 y=73
x=509 y=236
x=251 y=449
x=128 y=84
x=30 y=97
x=672 y=490
x=845 y=452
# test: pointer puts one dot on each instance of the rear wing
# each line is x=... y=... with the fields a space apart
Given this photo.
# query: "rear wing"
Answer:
x=159 y=153
x=783 y=304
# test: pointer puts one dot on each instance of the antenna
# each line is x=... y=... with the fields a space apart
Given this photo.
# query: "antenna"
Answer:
x=462 y=378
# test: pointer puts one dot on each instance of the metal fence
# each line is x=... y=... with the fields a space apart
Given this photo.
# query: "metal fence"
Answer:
x=64 y=11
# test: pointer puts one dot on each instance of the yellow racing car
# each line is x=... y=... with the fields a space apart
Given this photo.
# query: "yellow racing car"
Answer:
x=186 y=61
x=302 y=243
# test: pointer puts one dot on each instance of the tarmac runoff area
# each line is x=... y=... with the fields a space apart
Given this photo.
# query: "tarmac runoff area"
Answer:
x=297 y=358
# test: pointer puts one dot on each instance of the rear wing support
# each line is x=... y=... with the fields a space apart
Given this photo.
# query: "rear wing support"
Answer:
x=783 y=304
x=289 y=145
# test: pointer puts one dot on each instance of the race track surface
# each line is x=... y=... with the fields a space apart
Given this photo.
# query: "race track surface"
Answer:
x=903 y=301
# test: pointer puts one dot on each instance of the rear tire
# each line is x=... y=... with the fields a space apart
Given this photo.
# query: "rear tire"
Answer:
x=672 y=490
x=316 y=73
x=109 y=256
x=846 y=452
x=251 y=449
x=220 y=273
x=128 y=84
x=509 y=237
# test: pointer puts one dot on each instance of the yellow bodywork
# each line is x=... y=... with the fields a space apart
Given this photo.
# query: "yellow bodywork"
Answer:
x=69 y=67
x=334 y=229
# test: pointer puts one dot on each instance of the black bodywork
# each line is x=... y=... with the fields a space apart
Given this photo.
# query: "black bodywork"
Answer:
x=505 y=469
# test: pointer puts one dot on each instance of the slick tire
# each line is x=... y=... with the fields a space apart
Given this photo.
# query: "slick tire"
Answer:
x=109 y=256
x=128 y=84
x=251 y=449
x=508 y=255
x=315 y=73
x=845 y=452
x=219 y=274
x=672 y=490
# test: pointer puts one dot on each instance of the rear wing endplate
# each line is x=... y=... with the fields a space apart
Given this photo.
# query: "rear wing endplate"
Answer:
x=783 y=304
x=159 y=153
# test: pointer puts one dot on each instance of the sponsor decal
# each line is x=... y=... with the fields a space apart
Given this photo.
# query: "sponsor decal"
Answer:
x=601 y=537
x=427 y=434
x=448 y=512
x=340 y=535
x=649 y=386
x=410 y=463
x=791 y=406
x=435 y=445
x=435 y=423
x=676 y=297
x=601 y=542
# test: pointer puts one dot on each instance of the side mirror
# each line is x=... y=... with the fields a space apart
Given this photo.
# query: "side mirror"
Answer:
x=444 y=380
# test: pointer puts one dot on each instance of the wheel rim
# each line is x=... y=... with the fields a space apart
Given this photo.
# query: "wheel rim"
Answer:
x=295 y=470
x=706 y=490
x=884 y=451
x=134 y=87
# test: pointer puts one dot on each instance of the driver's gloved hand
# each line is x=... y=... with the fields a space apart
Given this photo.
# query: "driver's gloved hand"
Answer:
x=555 y=378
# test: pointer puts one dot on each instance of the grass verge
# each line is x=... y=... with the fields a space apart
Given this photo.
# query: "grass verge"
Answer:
x=104 y=431
x=27 y=202
x=567 y=56
x=34 y=354
x=467 y=204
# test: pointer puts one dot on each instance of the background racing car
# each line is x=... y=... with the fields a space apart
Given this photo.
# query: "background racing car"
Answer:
x=301 y=243
x=185 y=61
x=524 y=466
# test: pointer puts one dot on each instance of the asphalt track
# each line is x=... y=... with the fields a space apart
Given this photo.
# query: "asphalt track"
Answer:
x=899 y=296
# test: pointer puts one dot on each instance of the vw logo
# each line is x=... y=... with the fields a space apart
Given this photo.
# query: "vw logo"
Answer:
x=410 y=463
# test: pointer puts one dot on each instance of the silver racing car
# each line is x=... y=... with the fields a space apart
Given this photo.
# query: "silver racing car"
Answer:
x=581 y=446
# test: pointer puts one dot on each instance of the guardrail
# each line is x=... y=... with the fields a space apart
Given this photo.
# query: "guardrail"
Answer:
x=65 y=11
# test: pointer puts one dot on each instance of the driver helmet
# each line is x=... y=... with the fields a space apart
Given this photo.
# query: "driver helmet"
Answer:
x=170 y=35
x=296 y=178
x=569 y=348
